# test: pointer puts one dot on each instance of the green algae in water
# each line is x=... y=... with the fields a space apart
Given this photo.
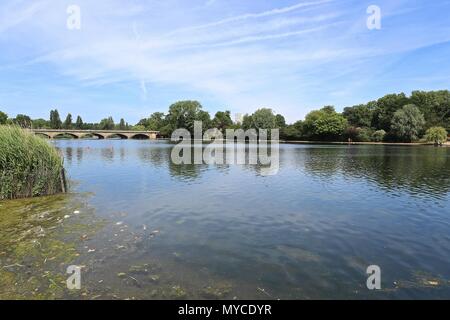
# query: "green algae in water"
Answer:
x=38 y=242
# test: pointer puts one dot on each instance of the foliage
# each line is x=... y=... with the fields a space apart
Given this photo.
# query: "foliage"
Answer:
x=29 y=166
x=40 y=124
x=407 y=123
x=360 y=115
x=324 y=124
x=437 y=135
x=107 y=124
x=3 y=118
x=385 y=109
x=55 y=120
x=378 y=136
x=280 y=121
x=68 y=122
x=122 y=124
x=264 y=119
x=22 y=121
x=222 y=120
x=434 y=105
x=79 y=123
x=292 y=131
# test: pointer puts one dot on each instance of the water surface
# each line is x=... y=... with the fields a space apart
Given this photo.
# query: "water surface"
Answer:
x=215 y=231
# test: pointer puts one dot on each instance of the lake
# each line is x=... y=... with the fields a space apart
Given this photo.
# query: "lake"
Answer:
x=144 y=228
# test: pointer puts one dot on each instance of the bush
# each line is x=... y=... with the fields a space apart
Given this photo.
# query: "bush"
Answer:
x=378 y=136
x=437 y=135
x=29 y=166
x=364 y=135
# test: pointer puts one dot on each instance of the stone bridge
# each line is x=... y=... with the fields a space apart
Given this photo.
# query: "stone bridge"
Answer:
x=100 y=134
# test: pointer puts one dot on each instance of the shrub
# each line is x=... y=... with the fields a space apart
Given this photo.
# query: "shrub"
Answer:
x=364 y=135
x=378 y=136
x=438 y=135
x=29 y=165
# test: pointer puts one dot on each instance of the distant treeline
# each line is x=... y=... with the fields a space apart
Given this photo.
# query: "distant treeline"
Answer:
x=394 y=117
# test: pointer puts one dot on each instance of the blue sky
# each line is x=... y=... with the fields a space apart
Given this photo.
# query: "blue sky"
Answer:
x=132 y=58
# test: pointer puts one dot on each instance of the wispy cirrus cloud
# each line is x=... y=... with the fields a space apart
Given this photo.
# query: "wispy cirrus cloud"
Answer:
x=291 y=56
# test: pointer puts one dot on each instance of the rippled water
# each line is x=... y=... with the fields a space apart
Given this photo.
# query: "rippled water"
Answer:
x=208 y=231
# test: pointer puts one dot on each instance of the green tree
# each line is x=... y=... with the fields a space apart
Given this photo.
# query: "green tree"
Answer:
x=378 y=136
x=407 y=123
x=23 y=121
x=280 y=121
x=55 y=120
x=68 y=122
x=3 y=118
x=434 y=105
x=360 y=115
x=222 y=120
x=438 y=135
x=122 y=125
x=183 y=114
x=264 y=118
x=247 y=122
x=40 y=124
x=385 y=109
x=324 y=124
x=156 y=121
x=79 y=123
x=292 y=131
x=107 y=124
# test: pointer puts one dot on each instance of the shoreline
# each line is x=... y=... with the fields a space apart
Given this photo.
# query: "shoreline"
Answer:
x=411 y=144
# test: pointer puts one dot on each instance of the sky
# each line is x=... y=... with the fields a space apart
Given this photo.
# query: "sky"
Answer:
x=130 y=58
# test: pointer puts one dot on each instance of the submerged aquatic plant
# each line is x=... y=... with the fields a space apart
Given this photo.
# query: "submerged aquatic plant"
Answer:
x=29 y=165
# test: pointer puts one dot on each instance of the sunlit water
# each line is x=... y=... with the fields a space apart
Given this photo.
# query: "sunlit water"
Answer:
x=223 y=232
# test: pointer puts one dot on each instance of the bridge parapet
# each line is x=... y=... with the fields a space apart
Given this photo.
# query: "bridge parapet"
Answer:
x=101 y=134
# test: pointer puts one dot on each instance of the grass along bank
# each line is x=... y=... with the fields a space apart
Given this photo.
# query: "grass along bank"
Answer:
x=29 y=165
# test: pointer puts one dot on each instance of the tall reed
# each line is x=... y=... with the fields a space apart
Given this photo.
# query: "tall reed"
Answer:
x=29 y=165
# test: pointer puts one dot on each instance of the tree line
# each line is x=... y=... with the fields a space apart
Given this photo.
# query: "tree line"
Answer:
x=394 y=117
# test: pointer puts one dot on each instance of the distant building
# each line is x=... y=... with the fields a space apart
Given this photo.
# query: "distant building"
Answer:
x=238 y=118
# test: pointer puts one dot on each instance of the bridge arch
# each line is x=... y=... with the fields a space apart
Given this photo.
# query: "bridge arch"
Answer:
x=74 y=136
x=140 y=136
x=43 y=135
x=98 y=135
x=114 y=135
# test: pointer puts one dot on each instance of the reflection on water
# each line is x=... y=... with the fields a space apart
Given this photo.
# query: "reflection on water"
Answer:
x=205 y=231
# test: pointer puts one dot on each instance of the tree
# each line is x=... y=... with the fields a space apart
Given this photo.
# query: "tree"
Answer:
x=3 y=118
x=378 y=136
x=407 y=123
x=79 y=123
x=55 y=120
x=23 y=121
x=222 y=120
x=437 y=135
x=280 y=121
x=68 y=122
x=122 y=125
x=107 y=124
x=324 y=124
x=385 y=109
x=434 y=105
x=247 y=122
x=264 y=119
x=183 y=114
x=40 y=124
x=293 y=131
x=156 y=121
x=360 y=115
